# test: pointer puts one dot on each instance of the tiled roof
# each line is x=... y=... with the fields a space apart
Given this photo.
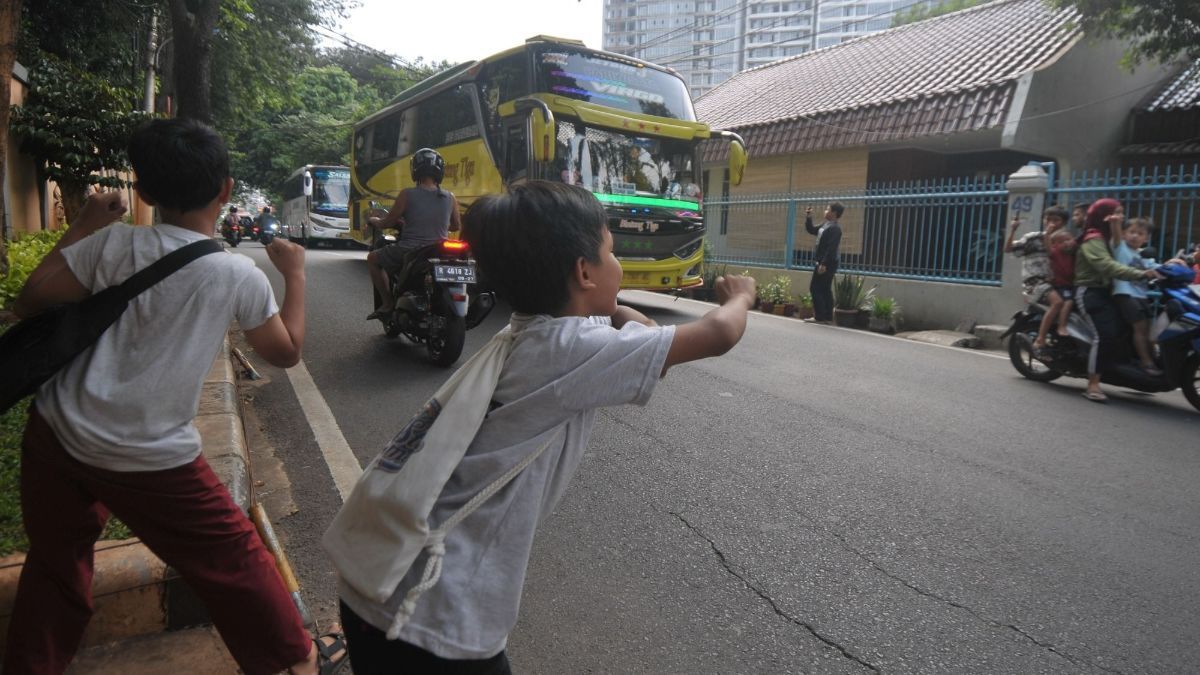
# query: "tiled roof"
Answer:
x=1169 y=149
x=1181 y=93
x=953 y=73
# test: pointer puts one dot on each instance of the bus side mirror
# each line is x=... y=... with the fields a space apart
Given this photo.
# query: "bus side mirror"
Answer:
x=542 y=136
x=737 y=162
x=541 y=128
x=308 y=186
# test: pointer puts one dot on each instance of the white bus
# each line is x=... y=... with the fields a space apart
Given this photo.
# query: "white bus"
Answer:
x=315 y=202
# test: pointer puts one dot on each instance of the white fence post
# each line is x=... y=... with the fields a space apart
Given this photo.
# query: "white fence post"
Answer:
x=1026 y=199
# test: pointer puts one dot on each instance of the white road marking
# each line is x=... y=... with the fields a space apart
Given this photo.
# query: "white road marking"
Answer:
x=340 y=459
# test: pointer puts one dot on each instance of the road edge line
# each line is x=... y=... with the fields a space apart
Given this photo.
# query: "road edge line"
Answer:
x=339 y=458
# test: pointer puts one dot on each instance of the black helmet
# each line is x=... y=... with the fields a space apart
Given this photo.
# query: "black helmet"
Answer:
x=427 y=162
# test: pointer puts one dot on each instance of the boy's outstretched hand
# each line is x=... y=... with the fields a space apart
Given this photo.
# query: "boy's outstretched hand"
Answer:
x=100 y=209
x=287 y=257
x=730 y=287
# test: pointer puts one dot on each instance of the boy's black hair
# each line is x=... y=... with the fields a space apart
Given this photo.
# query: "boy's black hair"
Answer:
x=1057 y=212
x=528 y=239
x=180 y=163
x=837 y=208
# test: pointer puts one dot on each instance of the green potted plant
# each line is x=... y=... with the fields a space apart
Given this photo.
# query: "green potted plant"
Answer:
x=781 y=294
x=804 y=306
x=767 y=293
x=884 y=314
x=850 y=295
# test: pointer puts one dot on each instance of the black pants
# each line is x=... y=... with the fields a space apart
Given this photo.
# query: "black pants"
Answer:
x=821 y=289
x=1111 y=342
x=371 y=653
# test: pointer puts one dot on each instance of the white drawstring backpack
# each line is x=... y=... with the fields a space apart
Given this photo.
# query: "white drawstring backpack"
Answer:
x=383 y=526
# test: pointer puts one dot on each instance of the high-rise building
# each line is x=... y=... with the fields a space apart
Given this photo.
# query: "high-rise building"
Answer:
x=708 y=41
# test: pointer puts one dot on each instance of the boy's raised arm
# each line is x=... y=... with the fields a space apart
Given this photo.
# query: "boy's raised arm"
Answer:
x=718 y=331
x=52 y=281
x=281 y=339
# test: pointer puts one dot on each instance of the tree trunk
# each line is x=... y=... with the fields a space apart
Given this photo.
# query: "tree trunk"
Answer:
x=73 y=196
x=193 y=56
x=10 y=20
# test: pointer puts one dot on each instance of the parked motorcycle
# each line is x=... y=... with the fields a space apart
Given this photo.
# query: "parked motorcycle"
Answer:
x=1177 y=326
x=433 y=305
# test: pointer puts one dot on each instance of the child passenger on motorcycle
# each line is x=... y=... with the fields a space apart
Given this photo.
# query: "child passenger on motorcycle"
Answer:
x=1037 y=274
x=1131 y=296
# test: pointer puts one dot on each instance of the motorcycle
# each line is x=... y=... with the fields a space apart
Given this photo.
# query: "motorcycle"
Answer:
x=432 y=303
x=1177 y=327
x=268 y=229
x=231 y=233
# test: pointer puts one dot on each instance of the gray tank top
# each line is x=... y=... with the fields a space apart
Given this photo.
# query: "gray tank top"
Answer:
x=426 y=217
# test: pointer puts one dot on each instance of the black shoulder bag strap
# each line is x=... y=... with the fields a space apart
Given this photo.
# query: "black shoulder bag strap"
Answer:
x=37 y=347
x=166 y=266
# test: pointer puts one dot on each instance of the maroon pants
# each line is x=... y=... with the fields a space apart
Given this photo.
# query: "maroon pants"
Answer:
x=185 y=515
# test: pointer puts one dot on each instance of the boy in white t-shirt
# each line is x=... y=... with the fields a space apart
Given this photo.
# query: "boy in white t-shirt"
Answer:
x=545 y=247
x=112 y=432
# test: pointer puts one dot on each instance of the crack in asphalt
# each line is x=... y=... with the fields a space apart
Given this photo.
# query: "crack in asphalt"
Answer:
x=770 y=601
x=992 y=622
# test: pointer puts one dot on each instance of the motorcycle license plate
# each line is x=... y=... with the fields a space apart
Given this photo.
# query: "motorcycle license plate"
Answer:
x=454 y=274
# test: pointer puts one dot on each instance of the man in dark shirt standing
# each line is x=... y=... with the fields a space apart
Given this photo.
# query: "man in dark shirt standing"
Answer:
x=829 y=236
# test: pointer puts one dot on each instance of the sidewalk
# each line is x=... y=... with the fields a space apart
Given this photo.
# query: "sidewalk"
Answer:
x=146 y=619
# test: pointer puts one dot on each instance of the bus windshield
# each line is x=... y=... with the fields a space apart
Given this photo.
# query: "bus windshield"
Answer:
x=331 y=192
x=613 y=163
x=603 y=80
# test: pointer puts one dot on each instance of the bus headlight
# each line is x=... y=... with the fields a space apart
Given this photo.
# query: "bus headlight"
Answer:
x=689 y=249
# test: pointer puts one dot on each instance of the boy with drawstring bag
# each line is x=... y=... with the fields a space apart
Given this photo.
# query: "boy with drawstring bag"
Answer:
x=432 y=546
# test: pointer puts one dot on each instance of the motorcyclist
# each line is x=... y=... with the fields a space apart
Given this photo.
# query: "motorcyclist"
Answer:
x=263 y=220
x=229 y=225
x=427 y=214
x=1095 y=268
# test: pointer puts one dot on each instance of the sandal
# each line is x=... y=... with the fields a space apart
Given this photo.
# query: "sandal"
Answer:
x=328 y=660
x=1097 y=396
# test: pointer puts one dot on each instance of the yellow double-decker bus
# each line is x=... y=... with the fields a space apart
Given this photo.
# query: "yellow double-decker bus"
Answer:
x=553 y=109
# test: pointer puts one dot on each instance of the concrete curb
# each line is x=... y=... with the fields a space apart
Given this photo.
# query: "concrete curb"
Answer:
x=134 y=592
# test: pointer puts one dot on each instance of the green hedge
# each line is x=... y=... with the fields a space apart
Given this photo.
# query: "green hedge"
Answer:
x=24 y=254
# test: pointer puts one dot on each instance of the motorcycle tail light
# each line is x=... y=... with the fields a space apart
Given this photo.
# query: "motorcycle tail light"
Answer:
x=454 y=246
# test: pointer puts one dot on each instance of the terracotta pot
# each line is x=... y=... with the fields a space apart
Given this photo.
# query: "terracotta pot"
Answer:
x=767 y=307
x=777 y=309
x=846 y=318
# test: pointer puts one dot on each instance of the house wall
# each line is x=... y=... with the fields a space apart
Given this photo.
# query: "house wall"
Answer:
x=22 y=200
x=1089 y=81
x=833 y=171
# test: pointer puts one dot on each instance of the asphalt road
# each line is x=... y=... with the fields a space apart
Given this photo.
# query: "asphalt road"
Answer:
x=818 y=500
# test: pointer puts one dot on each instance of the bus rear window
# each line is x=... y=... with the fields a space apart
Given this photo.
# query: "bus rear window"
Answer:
x=592 y=77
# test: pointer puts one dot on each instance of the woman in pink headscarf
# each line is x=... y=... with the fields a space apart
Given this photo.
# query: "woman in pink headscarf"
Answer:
x=1095 y=268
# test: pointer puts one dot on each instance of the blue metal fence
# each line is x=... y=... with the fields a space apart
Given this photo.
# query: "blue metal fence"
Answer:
x=1168 y=195
x=946 y=230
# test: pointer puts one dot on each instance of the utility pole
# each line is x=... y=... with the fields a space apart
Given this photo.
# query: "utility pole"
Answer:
x=143 y=212
x=151 y=57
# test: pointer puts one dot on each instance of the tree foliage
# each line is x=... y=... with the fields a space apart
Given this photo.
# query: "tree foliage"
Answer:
x=1161 y=30
x=75 y=124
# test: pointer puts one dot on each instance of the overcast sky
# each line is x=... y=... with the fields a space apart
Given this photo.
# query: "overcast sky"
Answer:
x=465 y=30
